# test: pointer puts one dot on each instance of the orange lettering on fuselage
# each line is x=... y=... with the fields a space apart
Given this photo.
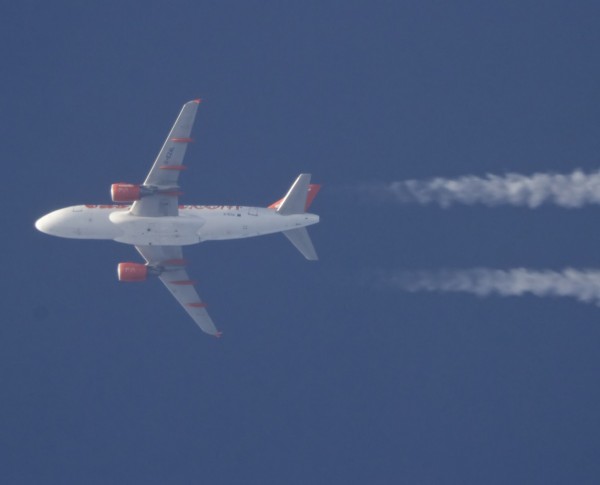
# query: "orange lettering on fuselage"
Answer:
x=211 y=207
x=106 y=206
x=207 y=207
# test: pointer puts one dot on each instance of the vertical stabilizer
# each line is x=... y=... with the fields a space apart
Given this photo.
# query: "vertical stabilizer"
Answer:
x=294 y=201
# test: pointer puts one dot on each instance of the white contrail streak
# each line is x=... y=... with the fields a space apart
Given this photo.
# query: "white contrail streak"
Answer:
x=584 y=285
x=571 y=190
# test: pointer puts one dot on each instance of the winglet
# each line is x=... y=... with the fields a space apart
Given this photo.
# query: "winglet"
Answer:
x=219 y=334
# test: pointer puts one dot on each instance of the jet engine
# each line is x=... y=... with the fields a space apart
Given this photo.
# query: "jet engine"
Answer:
x=125 y=192
x=132 y=272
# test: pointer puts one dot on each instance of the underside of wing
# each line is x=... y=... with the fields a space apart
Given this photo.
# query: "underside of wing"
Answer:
x=163 y=177
x=168 y=260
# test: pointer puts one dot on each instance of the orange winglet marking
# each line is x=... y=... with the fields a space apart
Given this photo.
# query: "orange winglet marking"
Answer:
x=182 y=140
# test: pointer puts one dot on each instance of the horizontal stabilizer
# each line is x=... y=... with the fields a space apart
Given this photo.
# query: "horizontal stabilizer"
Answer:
x=300 y=238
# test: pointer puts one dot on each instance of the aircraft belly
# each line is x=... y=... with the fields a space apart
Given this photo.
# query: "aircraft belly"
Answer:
x=263 y=222
x=217 y=228
x=159 y=231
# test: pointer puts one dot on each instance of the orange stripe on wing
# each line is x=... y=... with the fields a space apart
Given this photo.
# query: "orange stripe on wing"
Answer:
x=175 y=262
x=172 y=167
x=198 y=304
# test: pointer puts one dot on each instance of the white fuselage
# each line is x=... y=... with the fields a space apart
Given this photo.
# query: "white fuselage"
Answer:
x=194 y=224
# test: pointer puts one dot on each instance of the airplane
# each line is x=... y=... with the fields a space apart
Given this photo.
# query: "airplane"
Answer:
x=149 y=217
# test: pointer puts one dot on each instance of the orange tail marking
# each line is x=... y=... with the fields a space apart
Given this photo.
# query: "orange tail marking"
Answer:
x=275 y=205
x=313 y=190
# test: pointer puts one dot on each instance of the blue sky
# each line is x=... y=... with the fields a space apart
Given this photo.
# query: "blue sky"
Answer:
x=319 y=378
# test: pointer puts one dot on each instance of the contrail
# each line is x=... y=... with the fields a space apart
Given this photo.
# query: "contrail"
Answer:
x=583 y=285
x=571 y=190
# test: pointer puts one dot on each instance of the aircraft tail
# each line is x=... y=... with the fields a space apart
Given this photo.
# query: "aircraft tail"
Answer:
x=299 y=197
x=297 y=201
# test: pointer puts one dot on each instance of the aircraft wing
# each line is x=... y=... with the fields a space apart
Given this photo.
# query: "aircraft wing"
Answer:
x=175 y=278
x=164 y=174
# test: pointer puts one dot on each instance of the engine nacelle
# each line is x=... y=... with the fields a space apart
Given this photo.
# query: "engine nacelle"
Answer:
x=125 y=192
x=132 y=272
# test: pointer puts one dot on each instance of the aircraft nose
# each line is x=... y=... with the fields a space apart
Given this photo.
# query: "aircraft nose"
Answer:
x=46 y=224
